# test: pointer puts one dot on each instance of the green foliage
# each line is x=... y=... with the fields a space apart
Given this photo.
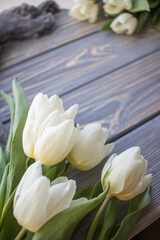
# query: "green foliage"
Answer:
x=108 y=220
x=140 y=6
x=56 y=171
x=10 y=228
x=154 y=3
x=11 y=106
x=67 y=220
x=106 y=26
x=3 y=188
x=136 y=207
x=90 y=192
x=142 y=18
x=156 y=18
x=14 y=156
x=2 y=163
x=17 y=157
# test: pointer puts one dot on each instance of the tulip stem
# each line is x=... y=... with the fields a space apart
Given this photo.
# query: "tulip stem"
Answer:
x=6 y=207
x=96 y=220
x=68 y=169
x=21 y=234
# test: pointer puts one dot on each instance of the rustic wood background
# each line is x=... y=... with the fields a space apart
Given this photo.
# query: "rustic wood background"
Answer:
x=114 y=79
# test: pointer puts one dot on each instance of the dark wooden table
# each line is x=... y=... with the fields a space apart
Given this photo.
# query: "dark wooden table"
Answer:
x=114 y=79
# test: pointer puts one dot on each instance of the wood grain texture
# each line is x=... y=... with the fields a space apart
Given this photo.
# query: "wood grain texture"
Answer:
x=66 y=30
x=75 y=64
x=118 y=100
x=147 y=137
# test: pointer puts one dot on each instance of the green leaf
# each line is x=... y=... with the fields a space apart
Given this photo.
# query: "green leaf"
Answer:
x=10 y=228
x=136 y=206
x=63 y=224
x=18 y=158
x=29 y=236
x=90 y=192
x=108 y=220
x=153 y=3
x=56 y=171
x=140 y=6
x=142 y=18
x=156 y=18
x=2 y=163
x=11 y=106
x=106 y=26
x=3 y=188
x=17 y=164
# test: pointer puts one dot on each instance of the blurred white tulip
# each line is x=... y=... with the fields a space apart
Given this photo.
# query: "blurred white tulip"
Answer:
x=116 y=6
x=125 y=174
x=85 y=10
x=37 y=200
x=49 y=133
x=125 y=23
x=90 y=149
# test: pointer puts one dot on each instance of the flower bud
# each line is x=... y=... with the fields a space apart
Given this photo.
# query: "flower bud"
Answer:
x=116 y=6
x=90 y=149
x=125 y=23
x=49 y=133
x=85 y=10
x=36 y=200
x=125 y=174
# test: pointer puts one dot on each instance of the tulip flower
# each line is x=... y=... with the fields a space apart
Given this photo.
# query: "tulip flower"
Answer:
x=123 y=177
x=90 y=149
x=85 y=10
x=37 y=200
x=116 y=6
x=126 y=174
x=125 y=23
x=49 y=133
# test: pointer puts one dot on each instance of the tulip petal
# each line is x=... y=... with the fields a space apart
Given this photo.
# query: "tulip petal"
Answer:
x=31 y=175
x=57 y=103
x=71 y=112
x=141 y=186
x=55 y=143
x=40 y=201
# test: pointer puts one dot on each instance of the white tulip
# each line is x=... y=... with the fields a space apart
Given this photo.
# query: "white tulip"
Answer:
x=49 y=133
x=90 y=149
x=125 y=23
x=125 y=173
x=85 y=10
x=37 y=200
x=116 y=6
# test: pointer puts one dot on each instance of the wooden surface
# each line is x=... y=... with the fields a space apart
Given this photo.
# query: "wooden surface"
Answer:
x=114 y=79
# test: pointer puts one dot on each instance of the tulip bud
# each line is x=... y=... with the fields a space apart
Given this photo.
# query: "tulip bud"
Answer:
x=89 y=149
x=49 y=133
x=116 y=6
x=36 y=200
x=85 y=10
x=125 y=23
x=125 y=173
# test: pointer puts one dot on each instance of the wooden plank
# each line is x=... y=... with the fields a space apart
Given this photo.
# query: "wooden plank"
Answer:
x=75 y=64
x=66 y=30
x=118 y=100
x=147 y=137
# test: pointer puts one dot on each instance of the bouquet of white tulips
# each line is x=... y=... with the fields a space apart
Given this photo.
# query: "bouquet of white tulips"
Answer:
x=124 y=16
x=37 y=200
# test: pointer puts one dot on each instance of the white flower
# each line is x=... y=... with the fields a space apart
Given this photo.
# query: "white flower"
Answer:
x=124 y=23
x=37 y=200
x=126 y=174
x=116 y=6
x=85 y=10
x=89 y=149
x=49 y=133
